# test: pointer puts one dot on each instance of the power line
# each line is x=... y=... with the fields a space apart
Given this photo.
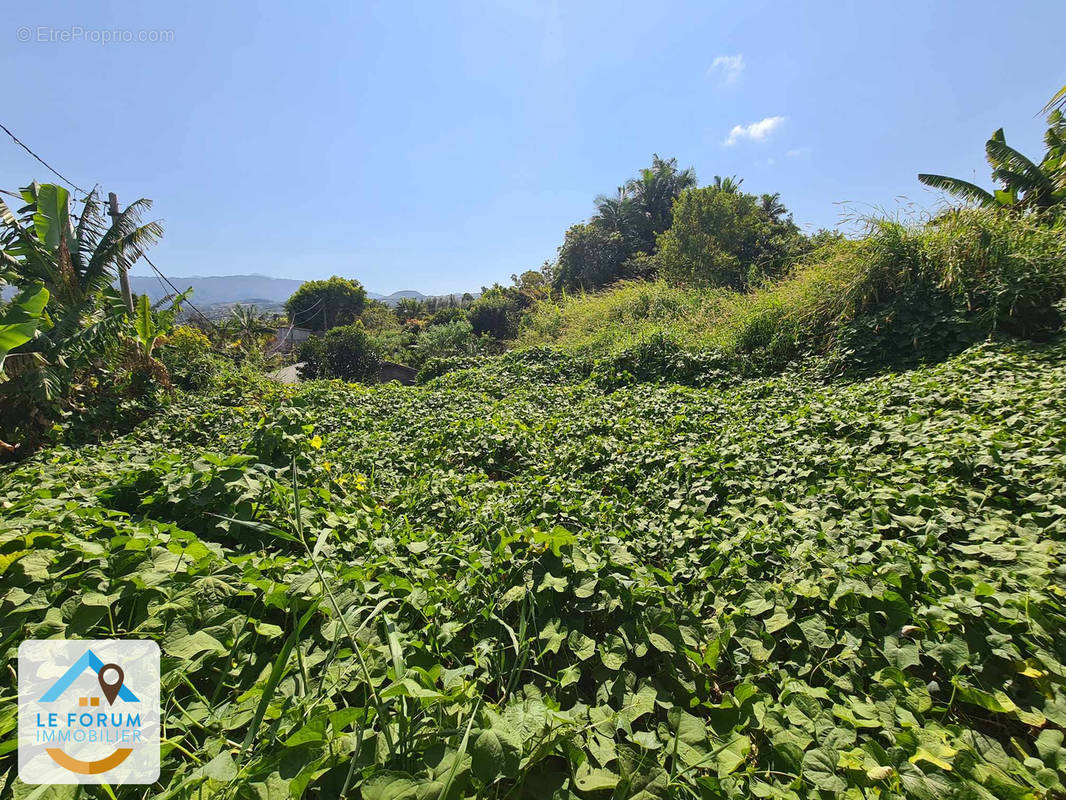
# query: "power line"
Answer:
x=74 y=186
x=54 y=171
x=176 y=292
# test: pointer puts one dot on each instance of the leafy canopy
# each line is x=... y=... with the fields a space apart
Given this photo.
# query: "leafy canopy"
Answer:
x=324 y=304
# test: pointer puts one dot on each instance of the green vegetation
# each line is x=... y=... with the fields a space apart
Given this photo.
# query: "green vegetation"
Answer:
x=53 y=351
x=487 y=587
x=321 y=305
x=706 y=508
x=727 y=238
x=900 y=295
x=1025 y=184
x=345 y=352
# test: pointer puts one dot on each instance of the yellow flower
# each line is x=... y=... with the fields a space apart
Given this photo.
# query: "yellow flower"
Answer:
x=327 y=466
x=360 y=482
x=316 y=442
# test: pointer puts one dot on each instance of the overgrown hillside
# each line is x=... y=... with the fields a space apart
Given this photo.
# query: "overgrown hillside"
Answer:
x=902 y=294
x=523 y=584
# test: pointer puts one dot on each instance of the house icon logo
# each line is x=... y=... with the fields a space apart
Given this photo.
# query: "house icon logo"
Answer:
x=89 y=711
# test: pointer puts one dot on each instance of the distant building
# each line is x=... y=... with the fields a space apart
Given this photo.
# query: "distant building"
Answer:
x=288 y=339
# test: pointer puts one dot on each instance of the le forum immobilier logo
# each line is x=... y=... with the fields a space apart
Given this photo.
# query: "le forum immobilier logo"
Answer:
x=88 y=711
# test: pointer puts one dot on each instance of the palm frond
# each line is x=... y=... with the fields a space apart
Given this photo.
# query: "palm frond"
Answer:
x=1058 y=101
x=970 y=192
x=127 y=238
x=1012 y=165
x=88 y=232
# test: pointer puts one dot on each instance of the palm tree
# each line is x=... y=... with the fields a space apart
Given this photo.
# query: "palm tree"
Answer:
x=1025 y=184
x=729 y=185
x=247 y=324
x=75 y=262
x=657 y=188
x=622 y=214
x=772 y=206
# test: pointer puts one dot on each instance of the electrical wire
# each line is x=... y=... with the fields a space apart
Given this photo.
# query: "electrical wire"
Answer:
x=177 y=292
x=48 y=166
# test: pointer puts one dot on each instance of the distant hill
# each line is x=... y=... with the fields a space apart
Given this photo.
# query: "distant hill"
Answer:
x=258 y=289
x=221 y=289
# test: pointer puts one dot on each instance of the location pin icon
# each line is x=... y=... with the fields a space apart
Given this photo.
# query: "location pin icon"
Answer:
x=111 y=690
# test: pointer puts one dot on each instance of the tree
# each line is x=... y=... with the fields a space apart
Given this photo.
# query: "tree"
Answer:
x=723 y=238
x=624 y=215
x=772 y=206
x=655 y=191
x=1025 y=184
x=344 y=352
x=321 y=305
x=73 y=257
x=409 y=308
x=729 y=185
x=495 y=313
x=589 y=259
x=249 y=326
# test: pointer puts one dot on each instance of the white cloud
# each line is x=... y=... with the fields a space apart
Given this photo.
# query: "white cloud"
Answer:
x=756 y=131
x=798 y=152
x=728 y=67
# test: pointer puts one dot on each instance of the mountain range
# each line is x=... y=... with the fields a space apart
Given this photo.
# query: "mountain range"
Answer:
x=212 y=290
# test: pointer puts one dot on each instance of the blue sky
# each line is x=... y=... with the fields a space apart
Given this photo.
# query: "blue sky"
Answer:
x=442 y=147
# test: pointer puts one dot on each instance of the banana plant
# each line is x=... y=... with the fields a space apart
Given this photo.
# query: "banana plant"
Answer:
x=20 y=320
x=147 y=334
x=74 y=257
x=1024 y=183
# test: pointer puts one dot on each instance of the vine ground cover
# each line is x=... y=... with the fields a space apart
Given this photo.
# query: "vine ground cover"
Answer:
x=491 y=587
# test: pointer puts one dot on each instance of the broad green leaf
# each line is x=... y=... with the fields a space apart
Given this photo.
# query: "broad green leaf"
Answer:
x=820 y=768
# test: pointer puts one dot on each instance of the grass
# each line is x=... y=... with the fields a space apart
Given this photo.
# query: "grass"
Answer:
x=971 y=273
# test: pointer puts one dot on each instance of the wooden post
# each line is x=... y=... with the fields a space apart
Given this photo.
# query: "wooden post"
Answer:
x=123 y=275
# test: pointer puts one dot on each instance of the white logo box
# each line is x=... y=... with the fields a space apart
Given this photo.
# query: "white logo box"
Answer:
x=70 y=730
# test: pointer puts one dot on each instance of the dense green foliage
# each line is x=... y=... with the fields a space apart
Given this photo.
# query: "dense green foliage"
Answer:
x=726 y=238
x=900 y=295
x=590 y=258
x=513 y=583
x=85 y=345
x=344 y=352
x=321 y=305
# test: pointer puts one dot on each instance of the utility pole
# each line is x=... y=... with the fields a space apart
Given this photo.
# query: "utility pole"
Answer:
x=123 y=276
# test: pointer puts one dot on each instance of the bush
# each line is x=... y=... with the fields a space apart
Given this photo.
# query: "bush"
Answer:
x=453 y=339
x=189 y=357
x=495 y=313
x=660 y=358
x=721 y=238
x=448 y=315
x=345 y=352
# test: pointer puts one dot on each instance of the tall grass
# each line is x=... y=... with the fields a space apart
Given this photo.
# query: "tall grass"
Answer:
x=899 y=288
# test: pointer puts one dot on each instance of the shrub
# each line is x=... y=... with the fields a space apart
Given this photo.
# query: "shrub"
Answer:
x=453 y=339
x=722 y=238
x=345 y=352
x=495 y=313
x=189 y=358
x=448 y=315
